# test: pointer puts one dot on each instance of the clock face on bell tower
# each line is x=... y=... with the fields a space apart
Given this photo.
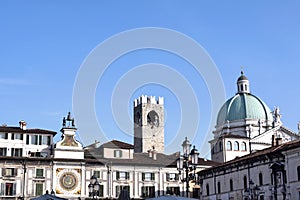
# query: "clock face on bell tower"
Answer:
x=148 y=124
x=68 y=181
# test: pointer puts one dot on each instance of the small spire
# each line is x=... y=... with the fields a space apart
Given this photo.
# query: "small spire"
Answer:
x=242 y=70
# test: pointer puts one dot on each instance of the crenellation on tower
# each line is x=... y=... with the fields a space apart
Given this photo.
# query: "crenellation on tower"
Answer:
x=144 y=99
x=148 y=114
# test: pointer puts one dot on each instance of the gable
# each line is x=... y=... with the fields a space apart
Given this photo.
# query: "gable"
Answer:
x=280 y=131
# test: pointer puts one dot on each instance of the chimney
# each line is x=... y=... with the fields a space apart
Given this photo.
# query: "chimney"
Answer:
x=272 y=140
x=150 y=153
x=154 y=154
x=22 y=124
x=278 y=141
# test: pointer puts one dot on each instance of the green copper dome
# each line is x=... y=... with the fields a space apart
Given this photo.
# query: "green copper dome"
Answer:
x=244 y=105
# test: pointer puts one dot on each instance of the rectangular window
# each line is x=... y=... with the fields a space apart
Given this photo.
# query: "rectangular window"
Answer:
x=34 y=139
x=9 y=172
x=39 y=173
x=39 y=189
x=16 y=152
x=122 y=175
x=17 y=136
x=3 y=151
x=35 y=154
x=97 y=174
x=46 y=140
x=148 y=191
x=118 y=153
x=172 y=177
x=8 y=189
x=119 y=188
x=3 y=135
x=148 y=176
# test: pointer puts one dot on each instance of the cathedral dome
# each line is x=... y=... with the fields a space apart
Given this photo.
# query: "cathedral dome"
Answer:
x=243 y=105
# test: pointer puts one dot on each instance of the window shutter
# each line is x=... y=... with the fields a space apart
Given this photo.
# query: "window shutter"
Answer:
x=127 y=175
x=152 y=177
x=121 y=154
x=14 y=189
x=115 y=153
x=143 y=176
x=40 y=140
x=21 y=136
x=2 y=189
x=168 y=177
x=12 y=136
x=6 y=135
x=15 y=171
x=176 y=177
x=118 y=175
x=27 y=139
x=48 y=140
x=3 y=172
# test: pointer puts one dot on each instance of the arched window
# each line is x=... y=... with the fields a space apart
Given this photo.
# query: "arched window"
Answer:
x=219 y=187
x=236 y=146
x=298 y=172
x=220 y=146
x=231 y=185
x=228 y=146
x=260 y=177
x=243 y=146
x=152 y=118
x=245 y=182
x=207 y=190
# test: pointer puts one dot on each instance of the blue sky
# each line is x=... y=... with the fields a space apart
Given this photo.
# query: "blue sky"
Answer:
x=43 y=45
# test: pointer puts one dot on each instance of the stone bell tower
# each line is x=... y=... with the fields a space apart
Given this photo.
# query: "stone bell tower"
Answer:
x=148 y=115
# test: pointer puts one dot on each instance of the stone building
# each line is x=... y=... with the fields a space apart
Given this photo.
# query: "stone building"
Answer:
x=148 y=124
x=31 y=164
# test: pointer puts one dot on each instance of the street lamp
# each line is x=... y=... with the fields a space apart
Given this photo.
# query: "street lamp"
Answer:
x=252 y=192
x=24 y=167
x=94 y=187
x=188 y=160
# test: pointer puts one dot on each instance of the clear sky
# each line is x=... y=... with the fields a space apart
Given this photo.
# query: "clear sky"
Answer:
x=43 y=46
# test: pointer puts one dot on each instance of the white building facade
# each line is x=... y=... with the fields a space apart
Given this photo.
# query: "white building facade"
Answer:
x=31 y=164
x=269 y=174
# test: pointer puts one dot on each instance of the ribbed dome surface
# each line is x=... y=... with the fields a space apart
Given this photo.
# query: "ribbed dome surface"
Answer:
x=243 y=106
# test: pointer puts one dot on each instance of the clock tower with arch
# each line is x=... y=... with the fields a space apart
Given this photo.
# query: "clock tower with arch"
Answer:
x=148 y=115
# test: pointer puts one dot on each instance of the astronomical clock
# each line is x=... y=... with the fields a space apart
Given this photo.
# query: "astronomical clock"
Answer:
x=68 y=181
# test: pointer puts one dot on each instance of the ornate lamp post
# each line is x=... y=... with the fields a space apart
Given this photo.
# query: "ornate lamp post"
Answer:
x=252 y=192
x=94 y=187
x=188 y=160
x=24 y=167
